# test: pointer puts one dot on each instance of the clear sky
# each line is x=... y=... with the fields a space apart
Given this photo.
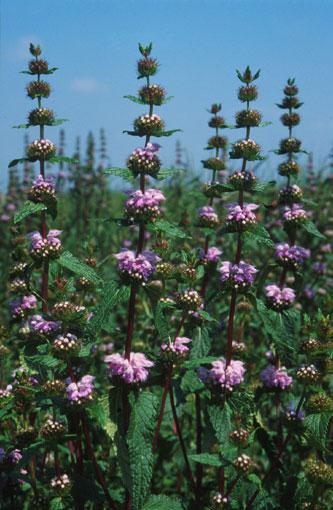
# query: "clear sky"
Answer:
x=199 y=43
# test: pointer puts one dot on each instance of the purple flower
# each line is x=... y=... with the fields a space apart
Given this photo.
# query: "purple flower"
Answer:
x=273 y=377
x=137 y=267
x=132 y=370
x=10 y=207
x=144 y=205
x=240 y=216
x=237 y=276
x=42 y=187
x=309 y=293
x=45 y=246
x=319 y=267
x=294 y=214
x=178 y=346
x=291 y=256
x=279 y=299
x=5 y=218
x=40 y=325
x=326 y=248
x=15 y=456
x=227 y=376
x=290 y=412
x=80 y=391
x=211 y=256
x=24 y=304
x=207 y=216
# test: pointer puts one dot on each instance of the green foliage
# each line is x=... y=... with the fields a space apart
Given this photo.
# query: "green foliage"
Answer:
x=316 y=426
x=139 y=441
x=27 y=209
x=75 y=265
x=162 y=503
x=311 y=228
x=168 y=228
x=112 y=294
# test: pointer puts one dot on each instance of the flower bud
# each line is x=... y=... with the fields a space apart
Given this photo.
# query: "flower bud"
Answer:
x=288 y=145
x=147 y=67
x=215 y=108
x=66 y=345
x=52 y=429
x=239 y=437
x=290 y=194
x=245 y=149
x=148 y=125
x=38 y=89
x=248 y=118
x=290 y=119
x=214 y=164
x=320 y=403
x=217 y=142
x=152 y=94
x=165 y=269
x=318 y=472
x=55 y=388
x=38 y=66
x=61 y=484
x=248 y=93
x=243 y=180
x=41 y=117
x=308 y=374
x=36 y=51
x=289 y=168
x=41 y=149
x=243 y=463
x=216 y=122
x=189 y=300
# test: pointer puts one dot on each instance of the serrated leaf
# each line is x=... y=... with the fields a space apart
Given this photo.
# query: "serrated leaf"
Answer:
x=27 y=209
x=75 y=265
x=258 y=234
x=316 y=426
x=111 y=295
x=135 y=99
x=209 y=459
x=164 y=173
x=262 y=186
x=168 y=228
x=198 y=362
x=201 y=344
x=167 y=133
x=310 y=227
x=161 y=324
x=220 y=418
x=139 y=441
x=119 y=172
x=100 y=412
x=162 y=503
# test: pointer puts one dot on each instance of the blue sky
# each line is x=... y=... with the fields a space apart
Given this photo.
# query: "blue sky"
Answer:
x=199 y=43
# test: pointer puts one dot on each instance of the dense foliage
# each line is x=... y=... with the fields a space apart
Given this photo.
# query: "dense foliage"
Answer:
x=170 y=349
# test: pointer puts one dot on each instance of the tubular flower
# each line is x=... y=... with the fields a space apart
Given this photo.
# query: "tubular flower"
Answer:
x=133 y=370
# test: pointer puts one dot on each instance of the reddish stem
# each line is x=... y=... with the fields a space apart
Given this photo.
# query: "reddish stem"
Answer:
x=162 y=408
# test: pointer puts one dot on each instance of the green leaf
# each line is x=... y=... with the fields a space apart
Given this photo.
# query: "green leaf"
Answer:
x=139 y=441
x=258 y=234
x=168 y=228
x=220 y=418
x=27 y=209
x=167 y=133
x=162 y=325
x=210 y=459
x=100 y=412
x=164 y=173
x=162 y=503
x=111 y=295
x=75 y=265
x=15 y=162
x=316 y=426
x=201 y=344
x=311 y=228
x=262 y=186
x=119 y=172
x=198 y=362
x=63 y=159
x=135 y=99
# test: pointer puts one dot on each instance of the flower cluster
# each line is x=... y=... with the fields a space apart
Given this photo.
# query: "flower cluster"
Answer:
x=177 y=347
x=211 y=256
x=227 y=376
x=145 y=161
x=207 y=217
x=20 y=306
x=279 y=299
x=291 y=257
x=136 y=268
x=132 y=370
x=42 y=189
x=45 y=247
x=294 y=215
x=144 y=206
x=43 y=326
x=237 y=276
x=239 y=217
x=80 y=392
x=273 y=377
